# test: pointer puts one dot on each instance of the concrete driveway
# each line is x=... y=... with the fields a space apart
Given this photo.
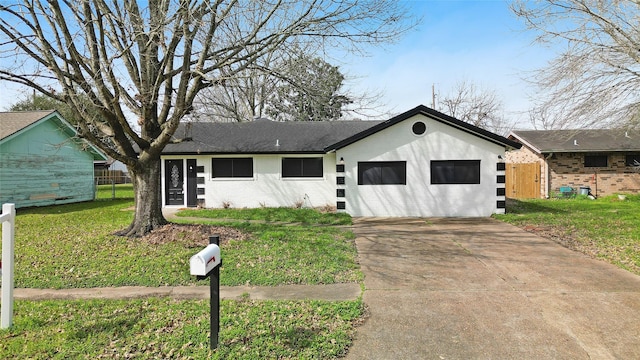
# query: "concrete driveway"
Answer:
x=482 y=289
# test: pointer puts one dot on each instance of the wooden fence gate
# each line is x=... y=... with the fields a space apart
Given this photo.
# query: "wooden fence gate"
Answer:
x=523 y=181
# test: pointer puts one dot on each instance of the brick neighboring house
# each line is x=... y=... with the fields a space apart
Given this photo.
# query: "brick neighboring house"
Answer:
x=601 y=159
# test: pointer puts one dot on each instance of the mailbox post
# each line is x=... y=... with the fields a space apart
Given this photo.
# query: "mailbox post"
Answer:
x=205 y=264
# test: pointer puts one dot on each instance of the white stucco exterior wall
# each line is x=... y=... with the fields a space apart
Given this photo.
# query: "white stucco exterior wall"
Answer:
x=419 y=197
x=267 y=187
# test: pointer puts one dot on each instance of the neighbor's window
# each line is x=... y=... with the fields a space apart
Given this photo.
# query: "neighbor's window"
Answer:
x=632 y=160
x=595 y=161
x=232 y=167
x=455 y=172
x=382 y=173
x=302 y=167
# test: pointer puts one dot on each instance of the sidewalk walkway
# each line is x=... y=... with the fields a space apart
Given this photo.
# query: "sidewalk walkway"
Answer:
x=331 y=292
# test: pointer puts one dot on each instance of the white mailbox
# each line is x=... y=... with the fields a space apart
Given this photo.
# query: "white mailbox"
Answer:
x=204 y=261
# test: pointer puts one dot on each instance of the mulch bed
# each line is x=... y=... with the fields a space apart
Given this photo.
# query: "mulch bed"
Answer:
x=195 y=235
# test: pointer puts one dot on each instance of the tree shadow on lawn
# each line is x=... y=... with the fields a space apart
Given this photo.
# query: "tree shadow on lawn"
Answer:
x=515 y=206
x=103 y=325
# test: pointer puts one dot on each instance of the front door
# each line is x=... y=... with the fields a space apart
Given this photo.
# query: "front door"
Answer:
x=174 y=182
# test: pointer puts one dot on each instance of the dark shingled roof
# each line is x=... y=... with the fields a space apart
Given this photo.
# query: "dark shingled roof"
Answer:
x=262 y=136
x=597 y=140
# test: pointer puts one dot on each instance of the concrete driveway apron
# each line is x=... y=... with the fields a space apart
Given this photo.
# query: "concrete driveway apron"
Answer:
x=483 y=289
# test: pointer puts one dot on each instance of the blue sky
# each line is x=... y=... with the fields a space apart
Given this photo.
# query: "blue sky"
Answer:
x=481 y=42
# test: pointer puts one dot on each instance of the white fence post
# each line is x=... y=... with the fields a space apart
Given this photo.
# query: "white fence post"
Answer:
x=8 y=231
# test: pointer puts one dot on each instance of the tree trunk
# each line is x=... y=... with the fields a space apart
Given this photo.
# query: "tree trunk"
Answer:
x=148 y=200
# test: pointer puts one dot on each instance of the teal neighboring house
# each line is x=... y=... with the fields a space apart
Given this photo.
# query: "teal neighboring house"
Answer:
x=43 y=162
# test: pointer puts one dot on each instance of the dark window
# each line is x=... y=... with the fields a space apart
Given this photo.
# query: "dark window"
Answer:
x=200 y=191
x=632 y=160
x=501 y=179
x=595 y=161
x=340 y=180
x=340 y=192
x=340 y=168
x=501 y=191
x=501 y=204
x=341 y=205
x=455 y=172
x=200 y=180
x=382 y=173
x=501 y=166
x=232 y=167
x=302 y=167
x=200 y=169
x=419 y=128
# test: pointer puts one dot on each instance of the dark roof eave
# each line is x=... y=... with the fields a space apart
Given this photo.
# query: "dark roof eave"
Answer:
x=433 y=114
x=244 y=152
x=590 y=141
x=551 y=151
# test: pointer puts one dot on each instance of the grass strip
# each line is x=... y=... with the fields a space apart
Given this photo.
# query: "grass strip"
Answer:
x=161 y=328
x=607 y=228
x=114 y=191
x=281 y=214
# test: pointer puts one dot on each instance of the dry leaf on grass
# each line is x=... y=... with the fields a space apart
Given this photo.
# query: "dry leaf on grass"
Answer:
x=192 y=235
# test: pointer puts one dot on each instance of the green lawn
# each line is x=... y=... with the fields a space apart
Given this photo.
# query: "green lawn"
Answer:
x=606 y=228
x=70 y=246
x=303 y=216
x=116 y=191
x=166 y=328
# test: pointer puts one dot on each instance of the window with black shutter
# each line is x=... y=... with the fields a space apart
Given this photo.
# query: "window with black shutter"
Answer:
x=382 y=173
x=232 y=167
x=455 y=172
x=302 y=167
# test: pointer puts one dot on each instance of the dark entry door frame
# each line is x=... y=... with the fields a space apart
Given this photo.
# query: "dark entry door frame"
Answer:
x=174 y=182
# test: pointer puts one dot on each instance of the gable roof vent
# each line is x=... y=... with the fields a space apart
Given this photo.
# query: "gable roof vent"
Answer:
x=575 y=142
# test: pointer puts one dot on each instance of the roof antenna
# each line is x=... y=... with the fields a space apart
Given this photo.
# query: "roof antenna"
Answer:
x=575 y=142
x=277 y=142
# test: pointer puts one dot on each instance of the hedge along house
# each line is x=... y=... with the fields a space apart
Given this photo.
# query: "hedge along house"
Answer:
x=419 y=163
x=42 y=162
x=605 y=160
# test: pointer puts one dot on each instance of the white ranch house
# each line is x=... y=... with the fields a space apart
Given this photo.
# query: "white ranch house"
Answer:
x=420 y=163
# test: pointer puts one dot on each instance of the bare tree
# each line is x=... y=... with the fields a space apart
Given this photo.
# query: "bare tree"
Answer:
x=477 y=106
x=142 y=66
x=242 y=97
x=545 y=116
x=305 y=87
x=594 y=81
